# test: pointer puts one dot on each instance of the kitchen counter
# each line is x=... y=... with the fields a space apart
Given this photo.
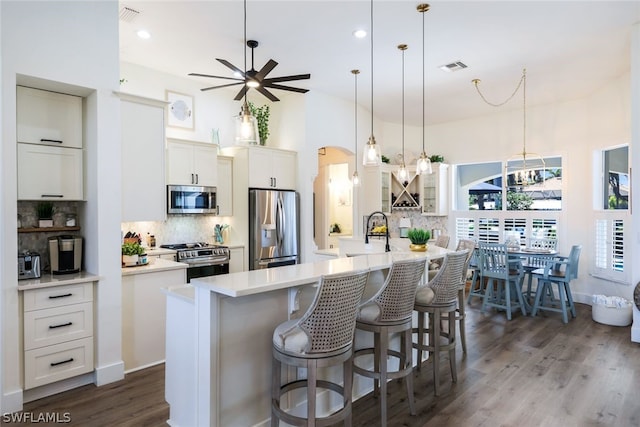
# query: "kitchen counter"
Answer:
x=154 y=267
x=47 y=280
x=225 y=334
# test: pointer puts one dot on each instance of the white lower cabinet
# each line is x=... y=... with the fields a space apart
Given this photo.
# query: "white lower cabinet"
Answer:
x=58 y=333
x=49 y=173
x=236 y=260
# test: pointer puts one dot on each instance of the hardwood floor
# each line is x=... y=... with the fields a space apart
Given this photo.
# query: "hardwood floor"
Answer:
x=523 y=372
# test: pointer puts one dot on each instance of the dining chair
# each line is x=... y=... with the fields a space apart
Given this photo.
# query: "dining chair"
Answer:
x=322 y=337
x=546 y=248
x=559 y=271
x=440 y=296
x=504 y=276
x=385 y=314
x=442 y=241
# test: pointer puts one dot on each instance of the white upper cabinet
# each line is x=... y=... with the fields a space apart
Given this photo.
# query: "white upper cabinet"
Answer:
x=49 y=118
x=191 y=163
x=143 y=149
x=224 y=193
x=435 y=191
x=271 y=168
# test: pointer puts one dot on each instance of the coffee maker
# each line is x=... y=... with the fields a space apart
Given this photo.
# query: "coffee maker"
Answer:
x=65 y=254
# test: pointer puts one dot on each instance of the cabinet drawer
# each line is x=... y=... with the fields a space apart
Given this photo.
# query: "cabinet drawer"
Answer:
x=57 y=296
x=57 y=325
x=57 y=362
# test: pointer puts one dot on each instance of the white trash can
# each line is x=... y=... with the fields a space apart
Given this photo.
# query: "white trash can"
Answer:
x=611 y=310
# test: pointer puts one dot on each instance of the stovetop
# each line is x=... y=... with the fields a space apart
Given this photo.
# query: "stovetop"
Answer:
x=199 y=252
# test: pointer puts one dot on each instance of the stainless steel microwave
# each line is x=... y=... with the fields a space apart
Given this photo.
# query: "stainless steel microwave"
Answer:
x=188 y=199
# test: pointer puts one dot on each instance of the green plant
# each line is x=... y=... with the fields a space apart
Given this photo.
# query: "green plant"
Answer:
x=262 y=116
x=132 y=249
x=419 y=236
x=517 y=201
x=436 y=158
x=44 y=210
x=384 y=159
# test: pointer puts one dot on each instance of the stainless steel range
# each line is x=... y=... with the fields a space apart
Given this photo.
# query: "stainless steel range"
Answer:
x=203 y=259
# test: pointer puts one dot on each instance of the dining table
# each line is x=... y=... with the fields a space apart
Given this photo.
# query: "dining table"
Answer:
x=532 y=258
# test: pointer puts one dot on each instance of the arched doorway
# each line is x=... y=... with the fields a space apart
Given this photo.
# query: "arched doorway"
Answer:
x=333 y=197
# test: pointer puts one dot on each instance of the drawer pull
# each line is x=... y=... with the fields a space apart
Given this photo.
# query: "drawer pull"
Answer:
x=61 y=325
x=52 y=195
x=51 y=140
x=69 y=360
x=59 y=296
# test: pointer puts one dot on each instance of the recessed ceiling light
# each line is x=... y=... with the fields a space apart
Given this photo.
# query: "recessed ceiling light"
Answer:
x=360 y=34
x=144 y=34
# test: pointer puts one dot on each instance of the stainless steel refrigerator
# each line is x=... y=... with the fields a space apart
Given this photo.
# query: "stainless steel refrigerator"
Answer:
x=274 y=224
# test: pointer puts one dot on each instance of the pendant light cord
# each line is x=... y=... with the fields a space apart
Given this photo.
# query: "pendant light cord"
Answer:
x=402 y=48
x=371 y=68
x=244 y=72
x=423 y=43
x=355 y=121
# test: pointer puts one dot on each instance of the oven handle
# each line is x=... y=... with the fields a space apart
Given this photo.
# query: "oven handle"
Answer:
x=207 y=263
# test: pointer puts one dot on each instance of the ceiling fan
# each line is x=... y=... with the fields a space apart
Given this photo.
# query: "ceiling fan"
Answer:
x=256 y=79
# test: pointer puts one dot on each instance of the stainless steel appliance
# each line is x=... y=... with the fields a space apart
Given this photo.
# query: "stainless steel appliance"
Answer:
x=188 y=199
x=65 y=254
x=274 y=224
x=203 y=259
x=28 y=265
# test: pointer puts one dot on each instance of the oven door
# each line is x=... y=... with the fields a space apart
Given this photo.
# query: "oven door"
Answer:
x=194 y=271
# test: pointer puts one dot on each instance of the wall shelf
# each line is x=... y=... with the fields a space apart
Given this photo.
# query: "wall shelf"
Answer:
x=46 y=229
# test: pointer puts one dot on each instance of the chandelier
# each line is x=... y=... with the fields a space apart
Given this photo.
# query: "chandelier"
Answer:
x=523 y=168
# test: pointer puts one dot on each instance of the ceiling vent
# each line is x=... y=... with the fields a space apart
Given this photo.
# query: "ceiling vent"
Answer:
x=453 y=66
x=128 y=14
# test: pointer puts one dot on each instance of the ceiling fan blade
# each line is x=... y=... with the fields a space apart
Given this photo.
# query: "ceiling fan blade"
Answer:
x=266 y=93
x=288 y=78
x=242 y=92
x=220 y=86
x=266 y=69
x=282 y=87
x=215 y=77
x=230 y=65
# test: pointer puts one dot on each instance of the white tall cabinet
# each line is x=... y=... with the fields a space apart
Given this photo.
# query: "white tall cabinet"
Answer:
x=143 y=149
x=50 y=148
x=191 y=163
x=224 y=192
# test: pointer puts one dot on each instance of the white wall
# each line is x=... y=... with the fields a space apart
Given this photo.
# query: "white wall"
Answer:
x=72 y=47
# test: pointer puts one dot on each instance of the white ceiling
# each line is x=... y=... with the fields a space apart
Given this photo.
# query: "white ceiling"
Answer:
x=569 y=48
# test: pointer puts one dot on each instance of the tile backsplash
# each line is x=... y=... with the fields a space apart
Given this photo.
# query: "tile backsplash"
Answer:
x=177 y=229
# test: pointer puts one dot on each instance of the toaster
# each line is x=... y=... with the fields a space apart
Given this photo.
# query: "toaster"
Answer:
x=28 y=265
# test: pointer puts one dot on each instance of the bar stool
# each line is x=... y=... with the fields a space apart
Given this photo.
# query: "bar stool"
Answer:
x=437 y=297
x=388 y=312
x=322 y=337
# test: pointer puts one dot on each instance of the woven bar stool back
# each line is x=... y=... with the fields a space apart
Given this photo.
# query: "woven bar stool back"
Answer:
x=322 y=337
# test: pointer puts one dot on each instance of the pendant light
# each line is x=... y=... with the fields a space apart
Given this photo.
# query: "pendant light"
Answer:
x=355 y=180
x=246 y=123
x=402 y=172
x=424 y=164
x=371 y=150
x=523 y=168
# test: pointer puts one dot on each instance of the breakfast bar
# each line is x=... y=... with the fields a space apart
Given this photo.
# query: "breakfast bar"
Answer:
x=219 y=333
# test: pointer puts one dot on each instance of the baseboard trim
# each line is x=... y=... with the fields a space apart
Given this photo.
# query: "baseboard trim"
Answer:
x=109 y=374
x=12 y=401
x=148 y=365
x=57 y=387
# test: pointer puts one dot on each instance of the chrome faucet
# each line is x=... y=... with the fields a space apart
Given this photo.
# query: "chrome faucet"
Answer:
x=387 y=248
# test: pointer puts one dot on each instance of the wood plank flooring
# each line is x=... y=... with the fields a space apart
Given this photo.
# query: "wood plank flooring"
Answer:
x=523 y=372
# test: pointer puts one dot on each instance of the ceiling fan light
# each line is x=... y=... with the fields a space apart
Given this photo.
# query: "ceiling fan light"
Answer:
x=253 y=83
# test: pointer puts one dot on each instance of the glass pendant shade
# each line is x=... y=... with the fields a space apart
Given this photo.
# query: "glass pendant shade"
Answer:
x=246 y=127
x=403 y=175
x=424 y=165
x=371 y=153
x=355 y=179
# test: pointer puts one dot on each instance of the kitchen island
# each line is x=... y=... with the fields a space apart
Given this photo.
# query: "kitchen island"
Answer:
x=232 y=319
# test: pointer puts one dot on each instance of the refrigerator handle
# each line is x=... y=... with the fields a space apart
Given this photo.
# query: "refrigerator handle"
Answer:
x=280 y=222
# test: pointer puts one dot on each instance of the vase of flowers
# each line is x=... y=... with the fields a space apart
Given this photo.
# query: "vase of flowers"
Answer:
x=419 y=238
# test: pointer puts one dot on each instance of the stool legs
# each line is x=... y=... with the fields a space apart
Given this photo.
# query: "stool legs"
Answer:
x=461 y=317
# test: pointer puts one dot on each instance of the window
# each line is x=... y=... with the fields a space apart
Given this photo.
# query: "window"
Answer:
x=480 y=186
x=610 y=258
x=616 y=178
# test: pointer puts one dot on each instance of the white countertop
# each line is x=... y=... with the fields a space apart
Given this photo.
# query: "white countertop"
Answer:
x=260 y=281
x=334 y=252
x=154 y=267
x=48 y=280
x=184 y=292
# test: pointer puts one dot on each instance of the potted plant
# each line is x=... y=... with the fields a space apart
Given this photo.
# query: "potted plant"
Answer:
x=262 y=117
x=131 y=253
x=419 y=238
x=44 y=211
